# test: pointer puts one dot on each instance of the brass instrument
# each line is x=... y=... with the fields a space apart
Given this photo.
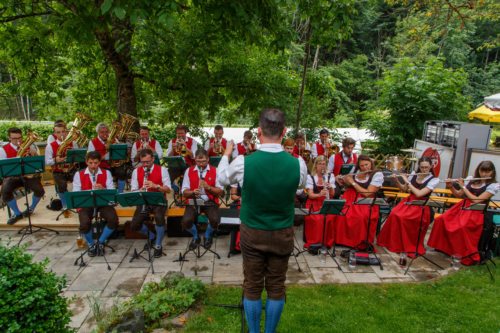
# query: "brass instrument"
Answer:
x=331 y=148
x=82 y=140
x=62 y=150
x=80 y=121
x=116 y=128
x=124 y=133
x=24 y=148
x=218 y=148
x=180 y=147
x=249 y=146
x=305 y=153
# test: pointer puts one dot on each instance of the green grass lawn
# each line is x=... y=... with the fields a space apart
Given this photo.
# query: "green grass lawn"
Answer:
x=467 y=301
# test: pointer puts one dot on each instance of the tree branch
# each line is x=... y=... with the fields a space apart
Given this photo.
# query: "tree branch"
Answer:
x=18 y=17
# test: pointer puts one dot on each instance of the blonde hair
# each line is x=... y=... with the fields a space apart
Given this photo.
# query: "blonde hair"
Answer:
x=320 y=158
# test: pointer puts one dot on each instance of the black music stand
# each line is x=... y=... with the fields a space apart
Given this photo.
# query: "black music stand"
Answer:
x=199 y=251
x=143 y=198
x=329 y=207
x=484 y=208
x=118 y=152
x=230 y=221
x=21 y=167
x=176 y=165
x=92 y=199
x=423 y=203
x=367 y=246
x=73 y=156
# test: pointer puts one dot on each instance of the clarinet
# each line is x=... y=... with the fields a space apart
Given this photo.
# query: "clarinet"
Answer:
x=325 y=184
x=145 y=180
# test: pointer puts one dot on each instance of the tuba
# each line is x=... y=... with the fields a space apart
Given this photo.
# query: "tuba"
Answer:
x=125 y=134
x=65 y=145
x=24 y=148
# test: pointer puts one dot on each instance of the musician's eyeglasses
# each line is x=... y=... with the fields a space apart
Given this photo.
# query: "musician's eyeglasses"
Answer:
x=147 y=162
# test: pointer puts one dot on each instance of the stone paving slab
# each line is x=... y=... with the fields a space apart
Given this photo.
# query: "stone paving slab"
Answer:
x=125 y=282
x=95 y=277
x=79 y=306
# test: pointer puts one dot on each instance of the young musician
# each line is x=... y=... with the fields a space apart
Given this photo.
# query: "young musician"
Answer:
x=99 y=144
x=61 y=177
x=216 y=145
x=245 y=147
x=181 y=145
x=150 y=177
x=95 y=178
x=51 y=138
x=400 y=232
x=322 y=146
x=458 y=230
x=301 y=146
x=288 y=146
x=345 y=156
x=268 y=179
x=10 y=150
x=145 y=142
x=351 y=229
x=320 y=186
x=200 y=182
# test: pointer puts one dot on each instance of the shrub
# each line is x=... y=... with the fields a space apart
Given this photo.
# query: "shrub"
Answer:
x=30 y=297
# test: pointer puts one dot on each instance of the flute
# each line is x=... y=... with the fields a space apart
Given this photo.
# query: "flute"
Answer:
x=394 y=174
x=357 y=173
x=450 y=180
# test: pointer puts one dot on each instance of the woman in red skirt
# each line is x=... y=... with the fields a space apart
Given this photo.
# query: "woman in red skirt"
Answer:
x=320 y=186
x=401 y=230
x=458 y=230
x=351 y=230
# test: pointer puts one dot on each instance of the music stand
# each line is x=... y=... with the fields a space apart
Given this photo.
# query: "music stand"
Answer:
x=21 y=167
x=118 y=152
x=329 y=207
x=92 y=199
x=423 y=203
x=197 y=204
x=214 y=161
x=346 y=169
x=176 y=166
x=368 y=247
x=480 y=206
x=230 y=221
x=143 y=198
x=73 y=156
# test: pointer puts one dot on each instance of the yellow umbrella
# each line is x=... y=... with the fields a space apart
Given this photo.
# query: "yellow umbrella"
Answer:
x=484 y=114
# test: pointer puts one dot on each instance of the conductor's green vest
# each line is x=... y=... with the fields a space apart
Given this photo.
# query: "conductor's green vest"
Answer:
x=270 y=181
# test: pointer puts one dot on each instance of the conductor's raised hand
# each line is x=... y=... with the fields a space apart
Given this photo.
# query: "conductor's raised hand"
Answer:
x=229 y=148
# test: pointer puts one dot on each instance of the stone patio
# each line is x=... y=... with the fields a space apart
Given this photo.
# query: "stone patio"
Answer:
x=125 y=278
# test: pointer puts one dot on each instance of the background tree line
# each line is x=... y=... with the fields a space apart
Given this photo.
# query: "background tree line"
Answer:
x=386 y=65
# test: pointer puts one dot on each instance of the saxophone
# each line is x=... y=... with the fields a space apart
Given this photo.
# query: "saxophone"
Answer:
x=24 y=148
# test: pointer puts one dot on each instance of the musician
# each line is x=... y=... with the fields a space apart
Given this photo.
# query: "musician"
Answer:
x=319 y=186
x=152 y=178
x=181 y=145
x=99 y=144
x=245 y=147
x=200 y=182
x=51 y=138
x=288 y=146
x=268 y=179
x=457 y=231
x=145 y=142
x=10 y=150
x=401 y=230
x=301 y=146
x=216 y=145
x=345 y=156
x=61 y=177
x=350 y=230
x=95 y=178
x=322 y=146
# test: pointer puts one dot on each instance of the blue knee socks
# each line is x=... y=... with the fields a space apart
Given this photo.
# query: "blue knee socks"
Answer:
x=34 y=201
x=63 y=199
x=273 y=314
x=121 y=186
x=145 y=231
x=160 y=232
x=13 y=205
x=105 y=234
x=253 y=311
x=88 y=237
x=193 y=231
x=209 y=231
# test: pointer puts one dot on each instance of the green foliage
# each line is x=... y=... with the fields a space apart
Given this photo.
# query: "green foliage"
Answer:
x=30 y=296
x=42 y=130
x=173 y=295
x=410 y=94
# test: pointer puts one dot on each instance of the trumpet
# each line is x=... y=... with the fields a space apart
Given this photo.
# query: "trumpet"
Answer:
x=218 y=148
x=180 y=147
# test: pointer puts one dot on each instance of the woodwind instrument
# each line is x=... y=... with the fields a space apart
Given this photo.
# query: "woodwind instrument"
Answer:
x=326 y=185
x=395 y=174
x=451 y=180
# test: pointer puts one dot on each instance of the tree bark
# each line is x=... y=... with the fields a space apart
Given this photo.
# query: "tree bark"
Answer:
x=316 y=58
x=304 y=73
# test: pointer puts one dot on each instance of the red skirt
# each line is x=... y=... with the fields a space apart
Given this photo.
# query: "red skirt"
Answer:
x=350 y=230
x=400 y=231
x=457 y=232
x=314 y=225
